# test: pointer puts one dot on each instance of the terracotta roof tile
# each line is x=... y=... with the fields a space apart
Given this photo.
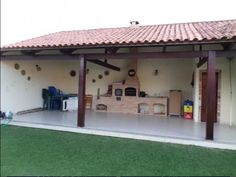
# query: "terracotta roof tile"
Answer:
x=151 y=34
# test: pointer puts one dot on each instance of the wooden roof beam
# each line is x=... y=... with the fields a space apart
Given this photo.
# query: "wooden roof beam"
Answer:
x=105 y=64
x=202 y=60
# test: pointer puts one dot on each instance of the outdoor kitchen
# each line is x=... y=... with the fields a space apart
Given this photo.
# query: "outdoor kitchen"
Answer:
x=126 y=97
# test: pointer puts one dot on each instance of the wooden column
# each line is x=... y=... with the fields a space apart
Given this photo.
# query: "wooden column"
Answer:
x=211 y=95
x=81 y=92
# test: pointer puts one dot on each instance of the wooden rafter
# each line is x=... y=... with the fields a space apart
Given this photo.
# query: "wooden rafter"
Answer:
x=202 y=60
x=105 y=64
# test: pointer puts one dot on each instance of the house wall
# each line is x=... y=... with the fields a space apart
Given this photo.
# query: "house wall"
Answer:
x=17 y=93
x=233 y=80
x=226 y=113
x=172 y=75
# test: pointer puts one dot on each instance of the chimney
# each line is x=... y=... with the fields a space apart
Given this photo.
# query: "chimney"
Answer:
x=132 y=78
x=131 y=84
x=134 y=23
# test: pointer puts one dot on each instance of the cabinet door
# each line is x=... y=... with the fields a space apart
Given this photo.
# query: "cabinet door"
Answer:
x=175 y=103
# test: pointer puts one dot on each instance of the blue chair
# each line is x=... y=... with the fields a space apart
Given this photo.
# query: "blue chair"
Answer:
x=46 y=99
x=56 y=98
x=52 y=91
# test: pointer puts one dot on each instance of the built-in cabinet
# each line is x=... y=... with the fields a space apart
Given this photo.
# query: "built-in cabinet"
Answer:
x=175 y=102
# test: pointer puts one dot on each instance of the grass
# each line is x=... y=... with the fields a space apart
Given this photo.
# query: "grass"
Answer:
x=26 y=151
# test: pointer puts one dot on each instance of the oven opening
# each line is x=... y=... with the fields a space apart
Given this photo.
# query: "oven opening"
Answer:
x=130 y=91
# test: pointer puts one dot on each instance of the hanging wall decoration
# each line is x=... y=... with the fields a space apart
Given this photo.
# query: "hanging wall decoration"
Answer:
x=17 y=66
x=131 y=72
x=38 y=68
x=106 y=73
x=28 y=78
x=87 y=71
x=72 y=73
x=100 y=76
x=94 y=80
x=23 y=72
x=155 y=73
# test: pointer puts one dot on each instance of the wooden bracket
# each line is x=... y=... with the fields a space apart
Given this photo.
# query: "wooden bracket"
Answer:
x=202 y=61
x=67 y=51
x=111 y=50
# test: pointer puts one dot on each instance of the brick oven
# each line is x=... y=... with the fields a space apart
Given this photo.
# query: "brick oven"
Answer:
x=131 y=85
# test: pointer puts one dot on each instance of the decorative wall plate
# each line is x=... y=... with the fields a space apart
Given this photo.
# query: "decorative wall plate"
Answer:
x=106 y=73
x=39 y=68
x=72 y=73
x=17 y=66
x=100 y=76
x=23 y=72
x=87 y=71
x=131 y=72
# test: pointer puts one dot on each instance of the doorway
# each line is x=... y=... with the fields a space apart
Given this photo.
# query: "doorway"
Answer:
x=204 y=97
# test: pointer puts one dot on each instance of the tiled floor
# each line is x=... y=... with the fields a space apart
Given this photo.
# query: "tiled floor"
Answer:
x=135 y=124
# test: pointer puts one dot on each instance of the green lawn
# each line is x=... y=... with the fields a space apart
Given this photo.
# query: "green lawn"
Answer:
x=26 y=151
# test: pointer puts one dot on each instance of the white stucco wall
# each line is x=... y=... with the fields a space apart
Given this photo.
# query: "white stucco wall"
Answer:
x=172 y=74
x=17 y=93
x=233 y=79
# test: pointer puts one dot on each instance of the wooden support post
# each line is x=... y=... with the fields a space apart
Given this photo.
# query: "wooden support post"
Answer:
x=211 y=95
x=81 y=92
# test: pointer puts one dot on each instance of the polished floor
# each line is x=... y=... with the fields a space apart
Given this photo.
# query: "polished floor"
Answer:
x=135 y=124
